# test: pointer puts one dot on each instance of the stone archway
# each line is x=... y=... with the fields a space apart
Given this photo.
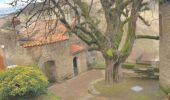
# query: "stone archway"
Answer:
x=75 y=66
x=50 y=70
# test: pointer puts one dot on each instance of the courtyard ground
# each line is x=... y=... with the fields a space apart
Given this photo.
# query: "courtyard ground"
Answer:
x=130 y=89
x=77 y=89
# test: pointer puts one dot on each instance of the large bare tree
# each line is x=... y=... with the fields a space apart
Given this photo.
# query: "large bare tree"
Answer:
x=117 y=14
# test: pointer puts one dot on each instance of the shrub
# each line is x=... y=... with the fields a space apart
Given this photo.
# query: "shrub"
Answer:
x=22 y=81
x=1 y=69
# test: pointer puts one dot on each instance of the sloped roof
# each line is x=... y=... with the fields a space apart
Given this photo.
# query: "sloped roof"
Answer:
x=42 y=35
x=39 y=39
x=52 y=39
x=75 y=48
x=43 y=28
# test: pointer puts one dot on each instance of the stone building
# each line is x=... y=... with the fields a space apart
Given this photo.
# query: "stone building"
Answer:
x=58 y=55
x=59 y=59
x=164 y=44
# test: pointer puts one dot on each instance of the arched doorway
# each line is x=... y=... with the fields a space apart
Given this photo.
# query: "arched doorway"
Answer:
x=75 y=68
x=50 y=71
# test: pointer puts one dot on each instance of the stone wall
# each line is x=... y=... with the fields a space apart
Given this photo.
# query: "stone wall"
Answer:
x=58 y=52
x=165 y=46
x=81 y=61
x=14 y=54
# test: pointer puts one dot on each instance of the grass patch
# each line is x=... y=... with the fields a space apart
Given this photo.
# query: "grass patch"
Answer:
x=156 y=70
x=128 y=65
x=139 y=97
x=159 y=93
x=47 y=96
x=98 y=65
x=115 y=89
x=122 y=90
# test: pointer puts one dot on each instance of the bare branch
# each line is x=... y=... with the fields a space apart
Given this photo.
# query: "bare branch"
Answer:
x=144 y=21
x=147 y=37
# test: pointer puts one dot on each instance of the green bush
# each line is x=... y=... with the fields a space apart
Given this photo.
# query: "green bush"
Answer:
x=22 y=82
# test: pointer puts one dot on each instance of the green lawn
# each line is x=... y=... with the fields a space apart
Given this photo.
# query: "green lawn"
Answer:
x=47 y=96
x=122 y=90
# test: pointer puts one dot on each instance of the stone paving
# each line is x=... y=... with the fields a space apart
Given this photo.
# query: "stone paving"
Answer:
x=77 y=87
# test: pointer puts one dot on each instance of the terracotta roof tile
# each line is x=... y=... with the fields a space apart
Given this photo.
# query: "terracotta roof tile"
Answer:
x=38 y=39
x=40 y=29
x=76 y=48
x=52 y=39
x=38 y=33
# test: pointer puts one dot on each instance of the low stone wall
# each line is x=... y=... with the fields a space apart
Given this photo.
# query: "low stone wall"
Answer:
x=91 y=88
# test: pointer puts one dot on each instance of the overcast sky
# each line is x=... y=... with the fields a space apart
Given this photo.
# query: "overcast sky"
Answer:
x=3 y=3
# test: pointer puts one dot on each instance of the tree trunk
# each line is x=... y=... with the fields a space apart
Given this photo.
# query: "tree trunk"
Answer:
x=109 y=71
x=117 y=72
x=112 y=71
